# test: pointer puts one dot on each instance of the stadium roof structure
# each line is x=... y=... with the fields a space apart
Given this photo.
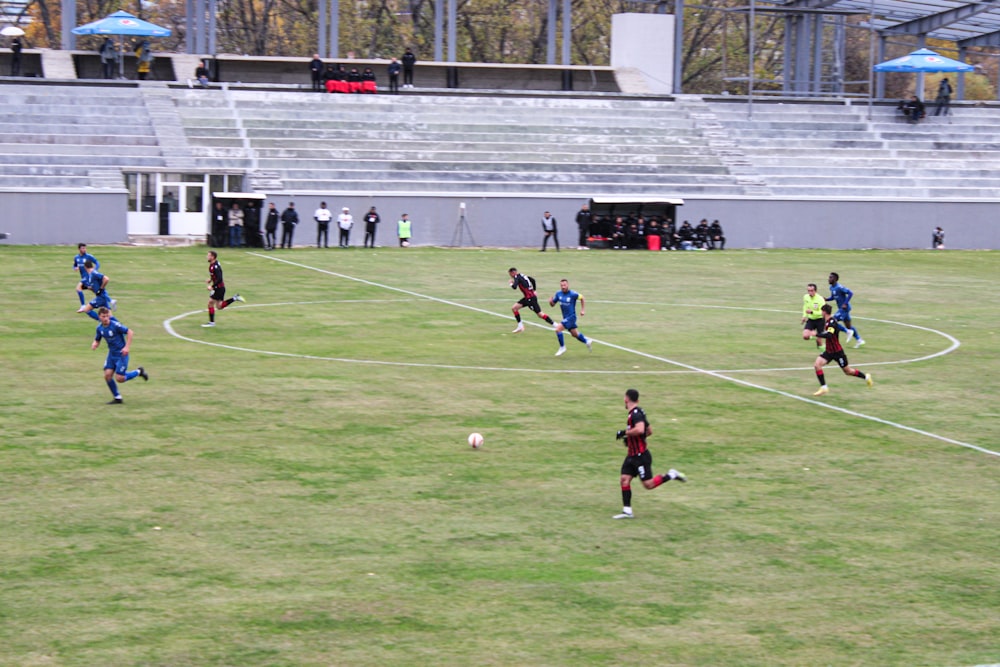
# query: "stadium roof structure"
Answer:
x=965 y=23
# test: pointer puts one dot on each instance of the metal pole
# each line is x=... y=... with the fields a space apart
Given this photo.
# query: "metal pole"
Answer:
x=334 y=28
x=190 y=26
x=439 y=30
x=199 y=12
x=871 y=58
x=678 y=46
x=452 y=21
x=567 y=30
x=321 y=10
x=68 y=39
x=213 y=29
x=550 y=50
x=751 y=49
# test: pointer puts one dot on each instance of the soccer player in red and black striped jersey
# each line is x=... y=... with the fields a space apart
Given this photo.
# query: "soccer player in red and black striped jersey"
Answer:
x=834 y=352
x=529 y=300
x=217 y=288
x=638 y=462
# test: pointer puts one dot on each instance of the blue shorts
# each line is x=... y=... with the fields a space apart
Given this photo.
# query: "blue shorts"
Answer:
x=119 y=362
x=569 y=323
x=842 y=314
x=101 y=301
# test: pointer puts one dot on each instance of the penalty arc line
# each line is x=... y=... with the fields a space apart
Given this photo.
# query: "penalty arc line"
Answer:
x=715 y=374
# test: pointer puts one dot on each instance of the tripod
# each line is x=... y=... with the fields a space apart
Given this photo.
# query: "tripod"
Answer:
x=462 y=224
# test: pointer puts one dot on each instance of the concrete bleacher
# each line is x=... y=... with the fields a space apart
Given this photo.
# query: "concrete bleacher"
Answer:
x=73 y=137
x=833 y=150
x=440 y=143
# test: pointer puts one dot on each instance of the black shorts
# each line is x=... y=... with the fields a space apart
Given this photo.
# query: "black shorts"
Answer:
x=218 y=294
x=640 y=466
x=813 y=325
x=531 y=304
x=839 y=357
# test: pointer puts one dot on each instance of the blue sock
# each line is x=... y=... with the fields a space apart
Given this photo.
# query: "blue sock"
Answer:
x=562 y=341
x=92 y=314
x=82 y=300
x=581 y=337
x=113 y=386
x=856 y=334
x=130 y=375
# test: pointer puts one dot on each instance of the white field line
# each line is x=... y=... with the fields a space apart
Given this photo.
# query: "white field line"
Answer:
x=716 y=374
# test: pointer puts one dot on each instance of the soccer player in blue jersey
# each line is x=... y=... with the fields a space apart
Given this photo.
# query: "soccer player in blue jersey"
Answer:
x=119 y=339
x=842 y=296
x=79 y=258
x=529 y=300
x=567 y=299
x=830 y=333
x=638 y=462
x=97 y=283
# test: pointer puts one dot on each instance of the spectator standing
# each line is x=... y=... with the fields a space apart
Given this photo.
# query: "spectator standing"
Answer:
x=394 y=68
x=220 y=225
x=252 y=225
x=345 y=221
x=270 y=226
x=316 y=72
x=108 y=54
x=943 y=98
x=323 y=216
x=403 y=230
x=716 y=236
x=235 y=216
x=549 y=229
x=371 y=224
x=144 y=54
x=289 y=218
x=937 y=239
x=583 y=220
x=409 y=60
x=15 y=56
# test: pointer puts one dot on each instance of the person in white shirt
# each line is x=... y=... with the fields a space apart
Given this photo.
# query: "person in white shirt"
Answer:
x=346 y=222
x=323 y=216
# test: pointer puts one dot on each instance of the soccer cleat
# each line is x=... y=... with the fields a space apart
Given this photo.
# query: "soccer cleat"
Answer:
x=849 y=334
x=116 y=400
x=114 y=305
x=859 y=343
x=624 y=515
x=143 y=374
x=590 y=347
x=208 y=324
x=822 y=390
x=870 y=381
x=237 y=297
x=519 y=328
x=561 y=351
x=677 y=475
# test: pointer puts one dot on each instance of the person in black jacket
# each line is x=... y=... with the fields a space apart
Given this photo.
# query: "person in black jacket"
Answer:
x=316 y=71
x=409 y=60
x=583 y=220
x=289 y=218
x=716 y=236
x=15 y=57
x=394 y=68
x=371 y=224
x=270 y=226
x=943 y=98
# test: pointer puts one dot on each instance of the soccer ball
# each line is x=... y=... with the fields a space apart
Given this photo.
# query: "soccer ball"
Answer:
x=475 y=440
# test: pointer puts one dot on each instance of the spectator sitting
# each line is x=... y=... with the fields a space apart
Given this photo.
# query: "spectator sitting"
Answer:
x=702 y=235
x=685 y=236
x=913 y=109
x=653 y=229
x=618 y=239
x=201 y=74
x=716 y=236
x=354 y=80
x=368 y=81
x=634 y=239
x=329 y=76
x=668 y=235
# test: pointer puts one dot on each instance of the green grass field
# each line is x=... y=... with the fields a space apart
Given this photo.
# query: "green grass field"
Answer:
x=297 y=491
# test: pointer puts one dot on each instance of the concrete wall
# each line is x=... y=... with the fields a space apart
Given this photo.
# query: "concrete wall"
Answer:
x=53 y=218
x=515 y=221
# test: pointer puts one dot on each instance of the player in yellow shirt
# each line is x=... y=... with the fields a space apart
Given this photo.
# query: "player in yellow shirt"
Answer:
x=812 y=313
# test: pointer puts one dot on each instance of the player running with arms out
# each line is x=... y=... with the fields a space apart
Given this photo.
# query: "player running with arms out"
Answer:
x=79 y=258
x=843 y=296
x=638 y=462
x=834 y=352
x=217 y=288
x=529 y=300
x=567 y=299
x=98 y=284
x=812 y=315
x=119 y=339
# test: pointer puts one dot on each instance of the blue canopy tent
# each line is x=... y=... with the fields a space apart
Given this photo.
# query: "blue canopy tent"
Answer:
x=121 y=24
x=923 y=60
